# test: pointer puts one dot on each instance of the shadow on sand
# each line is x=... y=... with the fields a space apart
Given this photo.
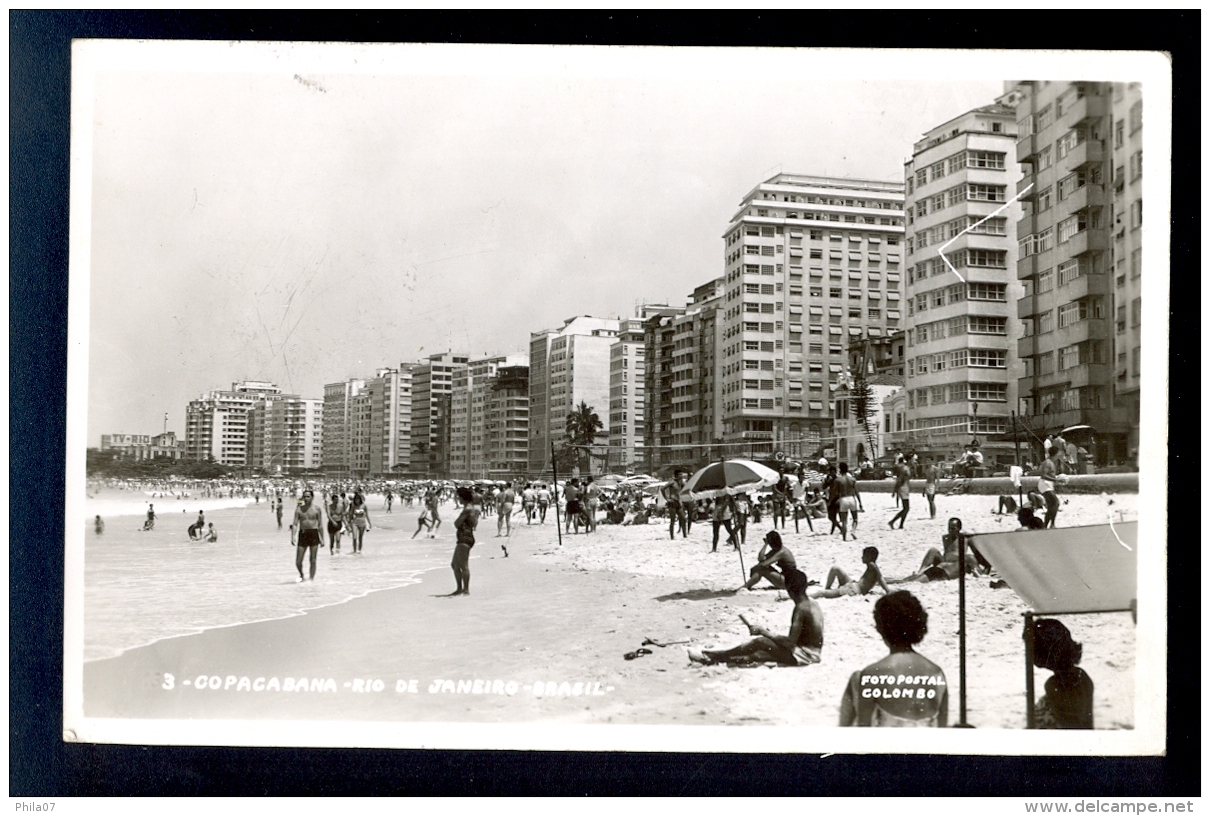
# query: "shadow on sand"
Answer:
x=697 y=595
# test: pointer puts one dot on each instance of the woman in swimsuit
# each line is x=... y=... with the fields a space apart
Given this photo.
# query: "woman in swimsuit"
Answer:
x=359 y=517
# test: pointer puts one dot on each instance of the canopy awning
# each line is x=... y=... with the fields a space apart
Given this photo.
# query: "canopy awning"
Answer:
x=1069 y=569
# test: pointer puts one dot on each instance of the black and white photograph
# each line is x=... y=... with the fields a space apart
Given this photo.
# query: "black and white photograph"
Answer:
x=617 y=398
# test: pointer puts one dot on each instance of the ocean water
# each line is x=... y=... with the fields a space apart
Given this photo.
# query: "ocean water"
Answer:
x=140 y=587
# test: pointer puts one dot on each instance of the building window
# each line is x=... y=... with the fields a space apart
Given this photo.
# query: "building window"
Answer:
x=1136 y=214
x=1136 y=116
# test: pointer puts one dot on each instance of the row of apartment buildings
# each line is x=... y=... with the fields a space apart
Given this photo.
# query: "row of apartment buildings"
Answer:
x=996 y=289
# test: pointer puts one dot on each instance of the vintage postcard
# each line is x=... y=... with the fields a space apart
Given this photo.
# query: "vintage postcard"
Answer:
x=596 y=398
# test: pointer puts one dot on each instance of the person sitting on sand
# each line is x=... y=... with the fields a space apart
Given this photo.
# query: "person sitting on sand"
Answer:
x=1028 y=521
x=803 y=645
x=211 y=534
x=1067 y=702
x=774 y=562
x=904 y=688
x=815 y=505
x=942 y=566
x=844 y=586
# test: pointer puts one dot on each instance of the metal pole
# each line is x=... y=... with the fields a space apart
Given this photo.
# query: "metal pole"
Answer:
x=1017 y=447
x=1029 y=669
x=554 y=467
x=961 y=630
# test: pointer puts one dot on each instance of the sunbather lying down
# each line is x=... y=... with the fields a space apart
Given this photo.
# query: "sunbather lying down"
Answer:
x=845 y=586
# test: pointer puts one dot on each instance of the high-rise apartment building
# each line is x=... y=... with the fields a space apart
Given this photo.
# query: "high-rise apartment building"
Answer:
x=962 y=332
x=567 y=366
x=1126 y=252
x=432 y=387
x=216 y=423
x=810 y=264
x=285 y=434
x=473 y=398
x=1064 y=260
x=627 y=386
x=683 y=389
x=338 y=418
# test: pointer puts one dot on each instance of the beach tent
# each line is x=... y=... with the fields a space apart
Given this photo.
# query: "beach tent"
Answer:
x=1065 y=571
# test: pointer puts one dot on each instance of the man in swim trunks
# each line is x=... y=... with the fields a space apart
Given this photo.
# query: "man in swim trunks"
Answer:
x=504 y=513
x=542 y=494
x=308 y=526
x=571 y=495
x=870 y=578
x=904 y=688
x=774 y=562
x=336 y=516
x=529 y=500
x=592 y=502
x=943 y=566
x=676 y=510
x=849 y=500
x=801 y=647
x=902 y=491
x=430 y=503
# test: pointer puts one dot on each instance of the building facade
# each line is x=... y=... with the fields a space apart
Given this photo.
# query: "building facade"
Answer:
x=216 y=423
x=683 y=389
x=962 y=368
x=854 y=440
x=627 y=388
x=1067 y=240
x=1126 y=253
x=811 y=263
x=285 y=434
x=144 y=446
x=506 y=422
x=878 y=355
x=567 y=366
x=471 y=400
x=432 y=386
x=338 y=417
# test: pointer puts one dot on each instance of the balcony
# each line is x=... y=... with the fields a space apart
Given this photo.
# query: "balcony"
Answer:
x=1091 y=151
x=1090 y=195
x=972 y=240
x=1078 y=332
x=1087 y=374
x=1054 y=420
x=1026 y=147
x=1083 y=242
x=1026 y=181
x=1027 y=306
x=1027 y=346
x=1027 y=267
x=1090 y=107
x=1085 y=285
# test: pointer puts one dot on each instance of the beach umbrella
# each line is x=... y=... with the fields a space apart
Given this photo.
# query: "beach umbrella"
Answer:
x=608 y=480
x=729 y=478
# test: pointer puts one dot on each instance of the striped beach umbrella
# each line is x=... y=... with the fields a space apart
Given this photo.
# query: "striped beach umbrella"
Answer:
x=729 y=478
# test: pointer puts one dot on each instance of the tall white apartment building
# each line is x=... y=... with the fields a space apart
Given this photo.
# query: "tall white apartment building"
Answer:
x=962 y=366
x=216 y=423
x=432 y=389
x=470 y=401
x=285 y=434
x=567 y=366
x=338 y=418
x=1126 y=248
x=811 y=263
x=627 y=421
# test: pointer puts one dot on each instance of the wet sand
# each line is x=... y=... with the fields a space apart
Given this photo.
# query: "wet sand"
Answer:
x=551 y=615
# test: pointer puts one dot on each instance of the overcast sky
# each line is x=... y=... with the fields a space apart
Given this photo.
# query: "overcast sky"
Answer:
x=307 y=228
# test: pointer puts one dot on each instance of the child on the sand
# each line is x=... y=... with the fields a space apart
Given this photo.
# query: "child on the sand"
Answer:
x=1068 y=699
x=844 y=586
x=423 y=522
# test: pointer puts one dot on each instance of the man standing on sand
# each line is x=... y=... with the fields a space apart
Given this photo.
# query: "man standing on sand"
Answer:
x=1048 y=474
x=504 y=517
x=308 y=526
x=931 y=473
x=592 y=503
x=849 y=500
x=677 y=515
x=801 y=647
x=902 y=490
x=279 y=512
x=543 y=497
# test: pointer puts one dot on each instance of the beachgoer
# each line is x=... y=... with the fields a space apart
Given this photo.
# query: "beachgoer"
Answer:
x=742 y=509
x=571 y=509
x=1067 y=702
x=844 y=586
x=781 y=495
x=504 y=510
x=803 y=645
x=724 y=507
x=99 y=525
x=1049 y=473
x=832 y=491
x=942 y=565
x=359 y=521
x=423 y=522
x=592 y=496
x=150 y=523
x=308 y=527
x=279 y=512
x=677 y=514
x=431 y=502
x=336 y=514
x=848 y=502
x=902 y=489
x=1028 y=521
x=529 y=500
x=543 y=499
x=465 y=526
x=211 y=534
x=773 y=562
x=905 y=688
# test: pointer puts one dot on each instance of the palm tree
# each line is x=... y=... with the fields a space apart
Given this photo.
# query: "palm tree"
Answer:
x=582 y=426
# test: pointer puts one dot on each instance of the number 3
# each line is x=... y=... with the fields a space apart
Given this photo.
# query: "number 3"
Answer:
x=168 y=681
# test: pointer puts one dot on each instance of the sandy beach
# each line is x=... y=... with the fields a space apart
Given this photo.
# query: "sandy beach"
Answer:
x=542 y=636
